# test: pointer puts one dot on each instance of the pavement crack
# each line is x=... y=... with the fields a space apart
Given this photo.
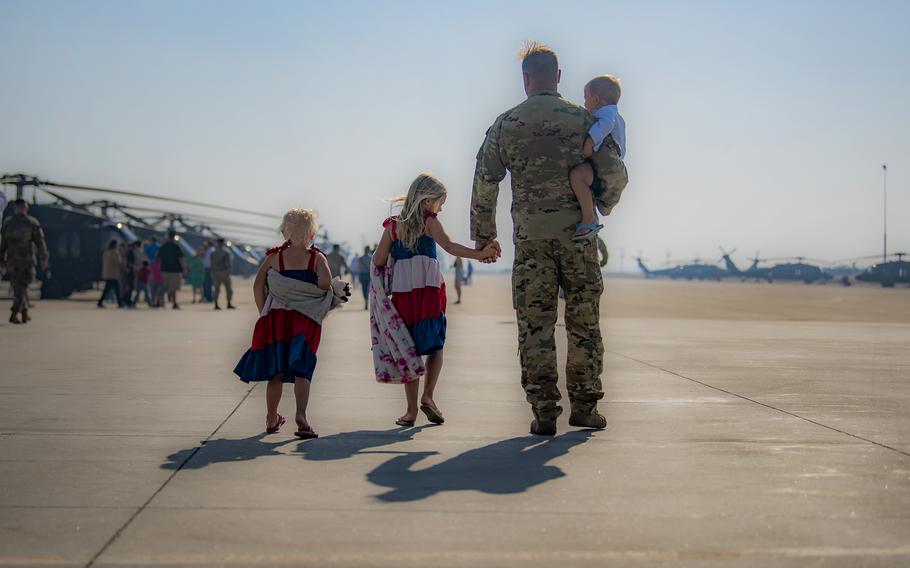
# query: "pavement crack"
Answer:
x=753 y=401
x=142 y=507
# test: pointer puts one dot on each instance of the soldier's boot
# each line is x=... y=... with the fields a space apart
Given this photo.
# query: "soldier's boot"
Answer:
x=217 y=307
x=543 y=426
x=25 y=317
x=14 y=318
x=592 y=419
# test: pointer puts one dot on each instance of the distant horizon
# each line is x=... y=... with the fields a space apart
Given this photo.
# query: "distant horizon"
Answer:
x=735 y=140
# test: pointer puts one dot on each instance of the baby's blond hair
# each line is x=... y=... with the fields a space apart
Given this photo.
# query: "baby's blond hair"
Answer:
x=299 y=226
x=607 y=87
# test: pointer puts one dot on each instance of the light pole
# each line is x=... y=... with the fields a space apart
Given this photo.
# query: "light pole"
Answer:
x=885 y=212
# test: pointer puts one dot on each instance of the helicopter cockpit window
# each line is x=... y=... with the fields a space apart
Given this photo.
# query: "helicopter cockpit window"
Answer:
x=63 y=248
x=75 y=245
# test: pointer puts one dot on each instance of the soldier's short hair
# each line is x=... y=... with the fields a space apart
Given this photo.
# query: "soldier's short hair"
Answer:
x=20 y=203
x=607 y=87
x=538 y=60
x=299 y=225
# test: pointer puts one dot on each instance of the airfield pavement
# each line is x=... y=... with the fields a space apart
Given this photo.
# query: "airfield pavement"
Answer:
x=749 y=425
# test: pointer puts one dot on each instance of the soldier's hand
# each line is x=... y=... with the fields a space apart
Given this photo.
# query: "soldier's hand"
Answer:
x=481 y=245
x=43 y=264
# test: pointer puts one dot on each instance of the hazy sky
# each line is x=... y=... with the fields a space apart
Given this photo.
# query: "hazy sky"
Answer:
x=759 y=125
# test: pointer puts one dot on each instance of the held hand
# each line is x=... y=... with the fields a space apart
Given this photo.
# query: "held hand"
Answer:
x=481 y=245
x=43 y=265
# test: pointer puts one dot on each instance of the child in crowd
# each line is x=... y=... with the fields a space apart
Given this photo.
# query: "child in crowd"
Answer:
x=284 y=339
x=418 y=289
x=142 y=283
x=601 y=97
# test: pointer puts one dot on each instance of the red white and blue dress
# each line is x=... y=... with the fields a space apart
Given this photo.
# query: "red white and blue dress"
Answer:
x=284 y=340
x=418 y=290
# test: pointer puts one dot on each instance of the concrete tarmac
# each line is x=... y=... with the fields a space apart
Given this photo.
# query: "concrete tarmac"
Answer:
x=750 y=425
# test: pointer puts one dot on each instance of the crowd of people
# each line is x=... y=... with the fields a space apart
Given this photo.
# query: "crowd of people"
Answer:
x=152 y=272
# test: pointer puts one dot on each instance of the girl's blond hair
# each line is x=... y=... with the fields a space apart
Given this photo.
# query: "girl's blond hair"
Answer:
x=412 y=219
x=299 y=226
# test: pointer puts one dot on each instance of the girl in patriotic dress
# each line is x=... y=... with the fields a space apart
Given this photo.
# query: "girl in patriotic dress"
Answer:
x=284 y=340
x=418 y=289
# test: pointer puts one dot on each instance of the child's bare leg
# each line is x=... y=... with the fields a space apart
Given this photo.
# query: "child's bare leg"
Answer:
x=302 y=394
x=411 y=390
x=272 y=398
x=434 y=368
x=581 y=177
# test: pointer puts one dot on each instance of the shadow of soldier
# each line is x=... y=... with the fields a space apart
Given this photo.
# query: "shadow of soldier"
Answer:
x=508 y=466
x=344 y=445
x=223 y=450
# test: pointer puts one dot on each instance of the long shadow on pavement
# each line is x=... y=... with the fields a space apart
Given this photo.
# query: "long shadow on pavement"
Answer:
x=332 y=447
x=509 y=466
x=348 y=444
x=224 y=450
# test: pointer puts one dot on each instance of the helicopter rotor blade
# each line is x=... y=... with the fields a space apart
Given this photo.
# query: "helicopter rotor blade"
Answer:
x=157 y=197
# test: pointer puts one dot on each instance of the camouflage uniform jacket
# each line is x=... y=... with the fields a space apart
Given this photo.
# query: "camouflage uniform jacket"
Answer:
x=538 y=141
x=21 y=238
x=221 y=260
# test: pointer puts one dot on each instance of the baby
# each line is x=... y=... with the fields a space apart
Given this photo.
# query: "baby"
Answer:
x=601 y=96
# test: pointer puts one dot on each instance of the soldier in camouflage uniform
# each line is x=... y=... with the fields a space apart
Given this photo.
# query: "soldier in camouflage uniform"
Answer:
x=21 y=238
x=539 y=142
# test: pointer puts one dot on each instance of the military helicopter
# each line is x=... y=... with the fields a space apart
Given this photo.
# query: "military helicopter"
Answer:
x=77 y=232
x=798 y=270
x=695 y=270
x=888 y=273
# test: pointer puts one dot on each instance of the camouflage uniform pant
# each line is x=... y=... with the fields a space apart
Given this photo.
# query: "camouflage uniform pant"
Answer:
x=20 y=277
x=222 y=278
x=541 y=268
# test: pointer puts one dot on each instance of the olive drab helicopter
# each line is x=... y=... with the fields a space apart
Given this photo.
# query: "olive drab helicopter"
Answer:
x=795 y=271
x=77 y=232
x=694 y=270
x=888 y=273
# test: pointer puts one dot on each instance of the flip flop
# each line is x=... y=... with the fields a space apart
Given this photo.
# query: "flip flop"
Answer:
x=306 y=434
x=433 y=414
x=405 y=423
x=585 y=230
x=276 y=427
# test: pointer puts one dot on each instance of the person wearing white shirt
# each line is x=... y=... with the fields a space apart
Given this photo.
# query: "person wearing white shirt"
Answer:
x=601 y=97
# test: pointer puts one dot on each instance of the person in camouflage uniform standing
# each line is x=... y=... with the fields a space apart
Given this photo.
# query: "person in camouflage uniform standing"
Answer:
x=222 y=262
x=539 y=142
x=21 y=238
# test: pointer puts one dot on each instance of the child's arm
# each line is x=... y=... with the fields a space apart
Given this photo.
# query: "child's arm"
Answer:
x=438 y=234
x=606 y=122
x=323 y=272
x=381 y=255
x=259 y=283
